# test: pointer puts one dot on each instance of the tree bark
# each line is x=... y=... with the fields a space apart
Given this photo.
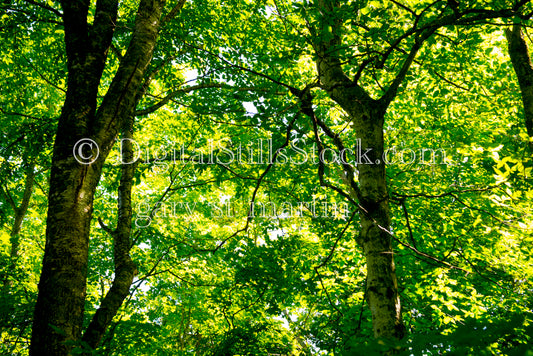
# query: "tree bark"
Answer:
x=367 y=116
x=125 y=268
x=375 y=238
x=20 y=212
x=59 y=310
x=523 y=68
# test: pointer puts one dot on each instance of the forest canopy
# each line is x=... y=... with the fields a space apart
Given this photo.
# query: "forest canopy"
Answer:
x=271 y=177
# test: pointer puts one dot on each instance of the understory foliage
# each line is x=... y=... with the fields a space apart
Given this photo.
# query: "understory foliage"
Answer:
x=244 y=232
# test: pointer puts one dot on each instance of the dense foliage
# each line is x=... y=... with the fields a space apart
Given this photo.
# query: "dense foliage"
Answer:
x=244 y=230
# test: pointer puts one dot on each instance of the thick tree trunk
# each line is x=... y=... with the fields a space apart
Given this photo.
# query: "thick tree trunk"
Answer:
x=375 y=238
x=60 y=305
x=367 y=116
x=62 y=287
x=523 y=68
x=382 y=293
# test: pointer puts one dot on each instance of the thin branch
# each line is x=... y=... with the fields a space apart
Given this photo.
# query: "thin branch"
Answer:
x=116 y=52
x=8 y=197
x=406 y=214
x=245 y=69
x=450 y=82
x=327 y=293
x=106 y=228
x=42 y=76
x=235 y=173
x=249 y=216
x=175 y=93
x=32 y=16
x=467 y=18
x=404 y=7
x=474 y=267
x=450 y=193
x=307 y=108
x=418 y=252
x=26 y=116
x=175 y=10
x=481 y=210
x=391 y=92
x=46 y=7
x=187 y=281
x=330 y=255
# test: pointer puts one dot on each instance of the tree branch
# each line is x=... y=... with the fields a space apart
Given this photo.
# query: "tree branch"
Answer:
x=175 y=10
x=45 y=6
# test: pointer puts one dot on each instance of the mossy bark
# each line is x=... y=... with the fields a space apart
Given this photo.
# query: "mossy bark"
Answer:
x=367 y=116
x=523 y=68
x=59 y=311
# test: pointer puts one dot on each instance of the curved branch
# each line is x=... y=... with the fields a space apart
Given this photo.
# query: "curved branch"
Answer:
x=46 y=7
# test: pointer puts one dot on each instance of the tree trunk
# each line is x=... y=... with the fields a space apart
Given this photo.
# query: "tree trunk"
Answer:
x=20 y=212
x=521 y=61
x=375 y=237
x=59 y=311
x=367 y=116
x=125 y=269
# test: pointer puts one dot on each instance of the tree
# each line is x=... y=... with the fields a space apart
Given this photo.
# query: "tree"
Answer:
x=347 y=74
x=297 y=169
x=62 y=288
